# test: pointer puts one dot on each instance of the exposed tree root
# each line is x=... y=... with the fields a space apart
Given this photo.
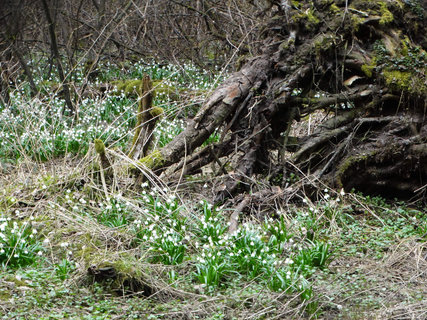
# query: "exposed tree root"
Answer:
x=374 y=136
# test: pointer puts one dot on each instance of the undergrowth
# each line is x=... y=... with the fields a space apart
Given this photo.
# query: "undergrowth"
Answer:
x=71 y=249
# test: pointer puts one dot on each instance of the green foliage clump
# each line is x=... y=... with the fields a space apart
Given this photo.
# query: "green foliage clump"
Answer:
x=404 y=69
x=114 y=214
x=64 y=268
x=19 y=244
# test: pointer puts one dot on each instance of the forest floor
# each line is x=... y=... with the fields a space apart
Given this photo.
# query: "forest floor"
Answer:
x=74 y=247
x=376 y=268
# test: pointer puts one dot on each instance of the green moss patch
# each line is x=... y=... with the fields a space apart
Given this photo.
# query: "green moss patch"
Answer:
x=386 y=15
x=153 y=160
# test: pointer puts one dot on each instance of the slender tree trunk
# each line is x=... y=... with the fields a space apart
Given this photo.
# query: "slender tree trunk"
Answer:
x=55 y=51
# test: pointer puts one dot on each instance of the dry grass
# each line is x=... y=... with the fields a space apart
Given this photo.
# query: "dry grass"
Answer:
x=354 y=287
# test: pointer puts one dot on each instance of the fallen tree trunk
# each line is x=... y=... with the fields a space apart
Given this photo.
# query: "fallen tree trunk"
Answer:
x=364 y=71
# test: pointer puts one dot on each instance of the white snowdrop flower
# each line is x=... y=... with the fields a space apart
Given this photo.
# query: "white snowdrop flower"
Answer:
x=205 y=185
x=39 y=253
x=326 y=190
x=252 y=243
x=46 y=241
x=342 y=193
x=63 y=244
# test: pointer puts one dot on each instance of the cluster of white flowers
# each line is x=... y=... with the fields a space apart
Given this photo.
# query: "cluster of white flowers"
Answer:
x=15 y=237
x=36 y=126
